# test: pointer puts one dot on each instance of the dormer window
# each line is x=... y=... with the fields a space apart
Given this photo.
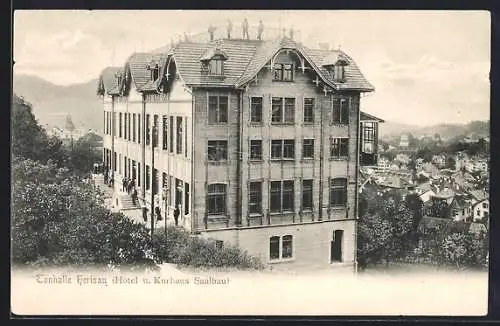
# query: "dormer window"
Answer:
x=212 y=62
x=154 y=71
x=118 y=79
x=336 y=66
x=215 y=67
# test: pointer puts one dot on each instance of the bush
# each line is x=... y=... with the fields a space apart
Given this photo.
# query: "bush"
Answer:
x=59 y=221
x=178 y=247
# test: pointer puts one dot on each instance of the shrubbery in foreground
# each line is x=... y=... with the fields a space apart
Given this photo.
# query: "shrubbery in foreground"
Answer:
x=177 y=246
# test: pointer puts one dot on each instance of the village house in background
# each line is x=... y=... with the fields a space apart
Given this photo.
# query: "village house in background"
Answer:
x=258 y=141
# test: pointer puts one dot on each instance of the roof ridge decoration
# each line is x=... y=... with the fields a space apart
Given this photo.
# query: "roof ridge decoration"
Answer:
x=214 y=52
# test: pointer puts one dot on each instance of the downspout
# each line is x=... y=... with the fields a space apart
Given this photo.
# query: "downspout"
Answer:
x=113 y=123
x=194 y=218
x=356 y=194
x=240 y=158
x=143 y=147
x=321 y=164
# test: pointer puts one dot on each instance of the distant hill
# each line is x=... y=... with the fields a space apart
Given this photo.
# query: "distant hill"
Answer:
x=389 y=130
x=53 y=103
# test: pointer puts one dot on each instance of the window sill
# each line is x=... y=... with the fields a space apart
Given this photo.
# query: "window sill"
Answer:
x=217 y=124
x=217 y=218
x=281 y=213
x=279 y=160
x=339 y=124
x=337 y=208
x=308 y=123
x=254 y=160
x=281 y=260
x=282 y=81
x=255 y=215
x=342 y=158
x=217 y=162
x=307 y=159
x=277 y=124
x=256 y=124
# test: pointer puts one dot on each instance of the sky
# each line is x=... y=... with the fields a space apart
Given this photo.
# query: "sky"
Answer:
x=428 y=67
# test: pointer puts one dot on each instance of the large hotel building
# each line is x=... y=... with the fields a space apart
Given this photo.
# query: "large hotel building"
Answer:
x=259 y=142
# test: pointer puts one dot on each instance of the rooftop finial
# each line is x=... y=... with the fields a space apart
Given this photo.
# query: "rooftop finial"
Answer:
x=291 y=32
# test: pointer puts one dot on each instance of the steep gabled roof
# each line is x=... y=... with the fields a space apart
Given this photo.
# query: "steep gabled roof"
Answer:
x=245 y=58
x=107 y=80
x=187 y=58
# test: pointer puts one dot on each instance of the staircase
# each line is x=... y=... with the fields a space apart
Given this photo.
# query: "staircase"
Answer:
x=126 y=202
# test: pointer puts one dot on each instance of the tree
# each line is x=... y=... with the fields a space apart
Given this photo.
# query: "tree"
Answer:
x=385 y=229
x=59 y=220
x=450 y=163
x=29 y=140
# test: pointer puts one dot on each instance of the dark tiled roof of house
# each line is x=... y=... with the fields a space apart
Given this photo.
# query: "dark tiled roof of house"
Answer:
x=245 y=58
x=107 y=80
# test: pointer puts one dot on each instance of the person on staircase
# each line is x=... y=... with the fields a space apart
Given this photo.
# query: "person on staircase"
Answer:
x=134 y=196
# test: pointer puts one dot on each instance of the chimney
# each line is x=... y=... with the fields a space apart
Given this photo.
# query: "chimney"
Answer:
x=324 y=46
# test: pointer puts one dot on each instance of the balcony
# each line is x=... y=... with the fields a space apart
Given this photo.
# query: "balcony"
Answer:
x=368 y=135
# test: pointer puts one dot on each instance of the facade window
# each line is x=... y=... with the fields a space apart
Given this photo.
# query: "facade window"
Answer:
x=171 y=134
x=125 y=126
x=216 y=67
x=171 y=192
x=283 y=110
x=283 y=72
x=139 y=122
x=139 y=174
x=280 y=247
x=283 y=149
x=274 y=248
x=155 y=181
x=165 y=133
x=217 y=109
x=217 y=150
x=179 y=135
x=129 y=134
x=120 y=125
x=256 y=149
x=340 y=111
x=282 y=196
x=216 y=199
x=114 y=161
x=368 y=137
x=308 y=148
x=309 y=110
x=185 y=137
x=256 y=110
x=113 y=130
x=307 y=195
x=155 y=131
x=148 y=178
x=255 y=198
x=287 y=246
x=134 y=126
x=186 y=198
x=339 y=148
x=148 y=130
x=338 y=192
